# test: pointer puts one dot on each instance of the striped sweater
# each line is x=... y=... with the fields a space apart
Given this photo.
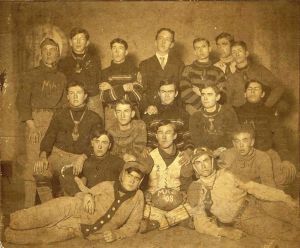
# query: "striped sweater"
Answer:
x=117 y=75
x=194 y=76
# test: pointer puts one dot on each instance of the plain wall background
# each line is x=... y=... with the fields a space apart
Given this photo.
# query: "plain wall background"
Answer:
x=269 y=28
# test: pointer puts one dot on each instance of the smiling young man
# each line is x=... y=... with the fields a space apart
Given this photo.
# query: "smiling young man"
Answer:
x=42 y=91
x=109 y=211
x=164 y=65
x=121 y=80
x=247 y=70
x=66 y=140
x=83 y=66
x=220 y=200
x=211 y=126
x=226 y=63
x=201 y=72
x=269 y=134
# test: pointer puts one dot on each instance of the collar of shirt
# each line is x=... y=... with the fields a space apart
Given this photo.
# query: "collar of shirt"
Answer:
x=160 y=56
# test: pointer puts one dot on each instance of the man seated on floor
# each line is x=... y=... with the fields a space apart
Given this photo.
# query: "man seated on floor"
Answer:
x=100 y=166
x=121 y=80
x=246 y=162
x=109 y=211
x=169 y=109
x=66 y=141
x=130 y=136
x=269 y=134
x=212 y=125
x=165 y=193
x=219 y=199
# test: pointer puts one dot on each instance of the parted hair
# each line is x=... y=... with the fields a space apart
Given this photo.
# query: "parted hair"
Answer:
x=78 y=30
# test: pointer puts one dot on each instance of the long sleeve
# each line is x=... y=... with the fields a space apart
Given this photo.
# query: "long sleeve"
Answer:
x=194 y=129
x=133 y=222
x=23 y=100
x=274 y=83
x=140 y=141
x=49 y=139
x=188 y=94
x=266 y=170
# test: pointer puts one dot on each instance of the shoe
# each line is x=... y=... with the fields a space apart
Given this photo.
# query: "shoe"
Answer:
x=148 y=225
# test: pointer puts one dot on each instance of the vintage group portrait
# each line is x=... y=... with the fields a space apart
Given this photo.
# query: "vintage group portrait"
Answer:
x=149 y=124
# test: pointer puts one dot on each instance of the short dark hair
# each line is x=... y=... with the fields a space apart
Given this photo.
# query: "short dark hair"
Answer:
x=124 y=102
x=74 y=82
x=215 y=87
x=166 y=82
x=255 y=81
x=98 y=130
x=244 y=128
x=78 y=30
x=131 y=169
x=119 y=40
x=168 y=30
x=227 y=36
x=164 y=123
x=200 y=39
x=241 y=44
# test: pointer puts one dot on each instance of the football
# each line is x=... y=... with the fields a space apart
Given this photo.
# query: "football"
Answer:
x=167 y=199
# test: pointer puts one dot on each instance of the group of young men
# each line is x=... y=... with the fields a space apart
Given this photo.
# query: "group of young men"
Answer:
x=127 y=149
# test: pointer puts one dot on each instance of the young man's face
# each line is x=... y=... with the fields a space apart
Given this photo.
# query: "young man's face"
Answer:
x=167 y=94
x=79 y=43
x=224 y=47
x=50 y=54
x=203 y=165
x=76 y=96
x=239 y=54
x=254 y=93
x=100 y=145
x=124 y=114
x=202 y=50
x=165 y=136
x=131 y=181
x=209 y=97
x=118 y=52
x=164 y=42
x=243 y=143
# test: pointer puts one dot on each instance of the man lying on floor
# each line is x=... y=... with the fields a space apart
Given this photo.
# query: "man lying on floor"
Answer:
x=219 y=199
x=110 y=211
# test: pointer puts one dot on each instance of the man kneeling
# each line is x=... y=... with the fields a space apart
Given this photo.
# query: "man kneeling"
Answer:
x=110 y=210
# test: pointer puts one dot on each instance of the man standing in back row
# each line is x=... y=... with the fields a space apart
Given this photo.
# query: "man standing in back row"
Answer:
x=164 y=65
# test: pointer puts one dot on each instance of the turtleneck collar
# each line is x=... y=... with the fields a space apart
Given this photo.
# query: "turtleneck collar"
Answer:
x=218 y=108
x=202 y=64
x=167 y=155
x=227 y=60
x=79 y=109
x=79 y=56
x=47 y=68
x=247 y=157
x=256 y=106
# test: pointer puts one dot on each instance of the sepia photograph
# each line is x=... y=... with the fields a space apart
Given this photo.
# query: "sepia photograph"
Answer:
x=153 y=124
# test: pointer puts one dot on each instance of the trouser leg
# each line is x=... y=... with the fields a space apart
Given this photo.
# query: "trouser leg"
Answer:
x=46 y=214
x=39 y=235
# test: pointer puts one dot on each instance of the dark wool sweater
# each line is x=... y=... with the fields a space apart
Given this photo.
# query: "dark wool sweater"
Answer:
x=214 y=129
x=236 y=84
x=60 y=130
x=100 y=169
x=178 y=116
x=269 y=134
x=152 y=74
x=87 y=71
x=195 y=76
x=117 y=75
x=40 y=88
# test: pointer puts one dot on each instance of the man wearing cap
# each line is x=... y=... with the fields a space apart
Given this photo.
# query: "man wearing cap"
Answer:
x=168 y=180
x=110 y=210
x=84 y=66
x=219 y=199
x=42 y=90
x=200 y=72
